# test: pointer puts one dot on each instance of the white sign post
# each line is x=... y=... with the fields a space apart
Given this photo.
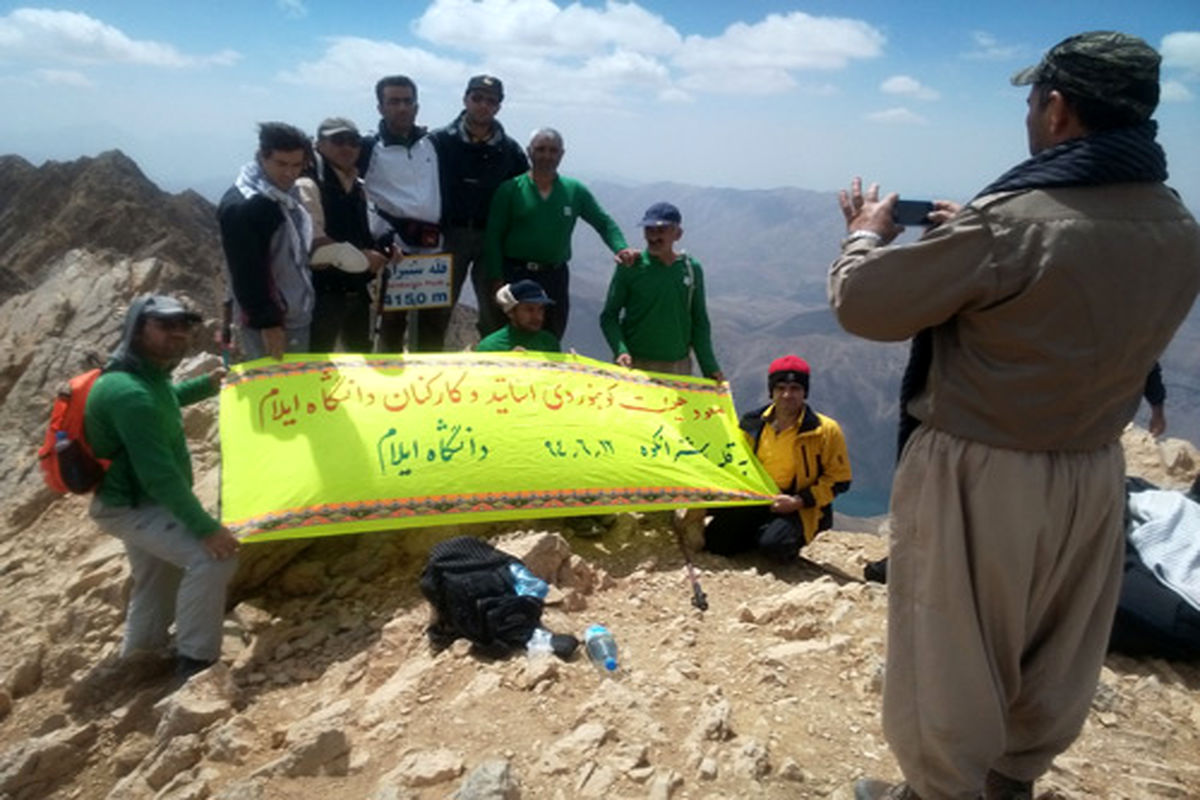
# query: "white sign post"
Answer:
x=418 y=281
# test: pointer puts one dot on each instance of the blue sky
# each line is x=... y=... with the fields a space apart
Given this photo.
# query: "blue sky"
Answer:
x=755 y=94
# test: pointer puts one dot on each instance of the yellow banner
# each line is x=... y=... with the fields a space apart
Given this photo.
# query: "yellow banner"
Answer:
x=319 y=445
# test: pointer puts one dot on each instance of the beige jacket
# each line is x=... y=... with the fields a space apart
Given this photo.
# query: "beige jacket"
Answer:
x=1048 y=308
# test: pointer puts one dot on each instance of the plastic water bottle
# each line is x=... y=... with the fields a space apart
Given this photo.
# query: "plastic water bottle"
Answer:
x=540 y=643
x=601 y=648
x=526 y=583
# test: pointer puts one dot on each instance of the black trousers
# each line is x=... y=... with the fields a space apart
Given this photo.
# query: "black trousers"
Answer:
x=740 y=529
x=341 y=315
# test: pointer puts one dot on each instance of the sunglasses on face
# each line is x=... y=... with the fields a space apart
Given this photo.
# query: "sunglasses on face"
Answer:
x=345 y=140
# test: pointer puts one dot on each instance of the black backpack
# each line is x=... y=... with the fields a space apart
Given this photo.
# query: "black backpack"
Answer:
x=471 y=586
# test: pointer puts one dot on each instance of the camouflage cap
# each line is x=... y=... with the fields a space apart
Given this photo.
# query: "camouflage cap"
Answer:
x=1111 y=67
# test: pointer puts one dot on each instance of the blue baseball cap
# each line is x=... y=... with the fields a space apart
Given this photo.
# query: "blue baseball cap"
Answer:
x=661 y=214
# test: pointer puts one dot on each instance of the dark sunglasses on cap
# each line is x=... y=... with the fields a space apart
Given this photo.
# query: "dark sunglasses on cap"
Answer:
x=346 y=140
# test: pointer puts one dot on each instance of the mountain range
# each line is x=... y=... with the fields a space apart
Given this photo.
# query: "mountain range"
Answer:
x=765 y=254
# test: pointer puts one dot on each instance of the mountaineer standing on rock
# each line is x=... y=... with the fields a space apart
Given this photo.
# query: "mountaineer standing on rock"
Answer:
x=181 y=557
x=530 y=224
x=805 y=453
x=1039 y=307
x=475 y=156
x=266 y=235
x=399 y=165
x=345 y=257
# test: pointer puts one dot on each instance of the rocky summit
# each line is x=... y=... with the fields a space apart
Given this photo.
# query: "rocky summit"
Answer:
x=328 y=685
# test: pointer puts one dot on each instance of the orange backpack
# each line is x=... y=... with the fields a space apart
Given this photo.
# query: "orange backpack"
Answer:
x=67 y=462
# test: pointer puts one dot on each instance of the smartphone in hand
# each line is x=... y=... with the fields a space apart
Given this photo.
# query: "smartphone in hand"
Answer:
x=912 y=212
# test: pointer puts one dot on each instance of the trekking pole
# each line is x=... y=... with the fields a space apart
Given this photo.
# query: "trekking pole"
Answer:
x=699 y=600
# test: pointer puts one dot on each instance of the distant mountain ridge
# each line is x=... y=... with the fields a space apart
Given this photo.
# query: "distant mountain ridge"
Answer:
x=765 y=255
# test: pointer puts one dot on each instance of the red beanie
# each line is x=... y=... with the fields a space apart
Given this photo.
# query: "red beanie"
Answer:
x=792 y=369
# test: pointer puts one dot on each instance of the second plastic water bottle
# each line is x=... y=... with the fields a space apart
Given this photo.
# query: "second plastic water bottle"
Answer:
x=601 y=648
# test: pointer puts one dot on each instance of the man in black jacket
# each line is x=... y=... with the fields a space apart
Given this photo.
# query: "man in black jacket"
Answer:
x=344 y=257
x=475 y=156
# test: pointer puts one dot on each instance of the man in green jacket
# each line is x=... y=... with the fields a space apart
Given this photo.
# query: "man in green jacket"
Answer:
x=525 y=304
x=655 y=314
x=531 y=221
x=181 y=557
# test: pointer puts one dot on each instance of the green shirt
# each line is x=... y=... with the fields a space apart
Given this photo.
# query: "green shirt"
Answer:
x=525 y=226
x=656 y=311
x=134 y=419
x=510 y=336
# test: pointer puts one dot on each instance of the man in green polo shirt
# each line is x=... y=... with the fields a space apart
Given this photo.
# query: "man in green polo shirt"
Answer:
x=655 y=315
x=525 y=304
x=530 y=223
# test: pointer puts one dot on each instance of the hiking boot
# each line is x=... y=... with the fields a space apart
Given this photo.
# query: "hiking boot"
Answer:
x=1002 y=787
x=186 y=667
x=871 y=789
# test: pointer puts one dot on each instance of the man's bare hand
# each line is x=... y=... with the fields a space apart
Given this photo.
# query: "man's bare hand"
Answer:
x=786 y=504
x=1158 y=421
x=866 y=212
x=375 y=260
x=943 y=210
x=275 y=341
x=222 y=544
x=216 y=376
x=625 y=360
x=626 y=257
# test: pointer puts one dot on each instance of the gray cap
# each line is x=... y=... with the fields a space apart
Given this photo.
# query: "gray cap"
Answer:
x=1113 y=68
x=161 y=306
x=333 y=125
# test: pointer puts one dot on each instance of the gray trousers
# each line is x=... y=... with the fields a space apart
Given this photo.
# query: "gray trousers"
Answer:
x=1002 y=584
x=174 y=580
x=250 y=340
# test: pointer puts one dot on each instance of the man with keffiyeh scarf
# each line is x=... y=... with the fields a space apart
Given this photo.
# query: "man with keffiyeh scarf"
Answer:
x=266 y=234
x=1036 y=312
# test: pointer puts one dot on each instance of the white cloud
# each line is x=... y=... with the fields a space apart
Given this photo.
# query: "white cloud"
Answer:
x=603 y=57
x=48 y=35
x=351 y=63
x=1181 y=50
x=64 y=77
x=1176 y=92
x=905 y=85
x=897 y=116
x=758 y=57
x=294 y=9
x=542 y=28
x=988 y=48
x=746 y=80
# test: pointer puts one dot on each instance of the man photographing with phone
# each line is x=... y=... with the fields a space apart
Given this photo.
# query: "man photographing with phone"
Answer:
x=1038 y=309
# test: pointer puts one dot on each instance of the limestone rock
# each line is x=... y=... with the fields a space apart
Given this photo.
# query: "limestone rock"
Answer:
x=36 y=763
x=490 y=780
x=232 y=741
x=753 y=760
x=26 y=675
x=664 y=784
x=178 y=754
x=319 y=752
x=714 y=722
x=206 y=698
x=419 y=768
x=545 y=554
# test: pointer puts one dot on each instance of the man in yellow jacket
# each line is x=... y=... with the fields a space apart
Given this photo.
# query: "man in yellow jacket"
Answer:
x=805 y=453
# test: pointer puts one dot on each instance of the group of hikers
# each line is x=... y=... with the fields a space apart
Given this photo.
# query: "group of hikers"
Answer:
x=309 y=231
x=1035 y=311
